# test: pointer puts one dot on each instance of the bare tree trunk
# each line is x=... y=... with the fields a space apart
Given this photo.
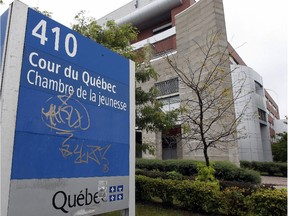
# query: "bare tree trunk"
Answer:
x=205 y=151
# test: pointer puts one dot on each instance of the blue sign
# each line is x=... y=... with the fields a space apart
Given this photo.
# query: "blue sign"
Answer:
x=3 y=26
x=73 y=107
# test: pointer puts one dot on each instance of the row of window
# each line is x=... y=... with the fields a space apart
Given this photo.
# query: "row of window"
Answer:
x=262 y=115
x=167 y=87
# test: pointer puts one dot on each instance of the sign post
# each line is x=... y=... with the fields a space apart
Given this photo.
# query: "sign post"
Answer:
x=67 y=121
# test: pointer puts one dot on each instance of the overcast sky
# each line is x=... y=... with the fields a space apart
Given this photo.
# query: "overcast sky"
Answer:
x=257 y=29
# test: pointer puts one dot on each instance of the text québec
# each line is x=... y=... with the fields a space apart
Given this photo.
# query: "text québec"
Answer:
x=91 y=87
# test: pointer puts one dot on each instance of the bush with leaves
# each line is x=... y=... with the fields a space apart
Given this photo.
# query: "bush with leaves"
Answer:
x=230 y=172
x=270 y=168
x=268 y=202
x=201 y=196
x=232 y=202
x=158 y=174
x=279 y=148
x=148 y=188
x=224 y=170
x=206 y=173
x=148 y=116
x=198 y=196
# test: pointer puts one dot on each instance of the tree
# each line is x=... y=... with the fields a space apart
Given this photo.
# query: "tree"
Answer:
x=207 y=114
x=279 y=148
x=46 y=13
x=149 y=116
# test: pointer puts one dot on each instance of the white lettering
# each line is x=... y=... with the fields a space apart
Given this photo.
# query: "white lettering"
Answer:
x=43 y=64
x=98 y=82
x=110 y=102
x=34 y=78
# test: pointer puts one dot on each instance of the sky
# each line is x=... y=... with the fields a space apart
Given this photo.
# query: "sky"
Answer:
x=257 y=29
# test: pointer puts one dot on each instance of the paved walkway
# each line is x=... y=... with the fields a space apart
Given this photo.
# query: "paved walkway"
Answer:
x=278 y=182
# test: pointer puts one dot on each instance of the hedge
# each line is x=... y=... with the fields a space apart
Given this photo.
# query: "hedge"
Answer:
x=208 y=198
x=269 y=202
x=185 y=167
x=224 y=169
x=272 y=168
x=158 y=174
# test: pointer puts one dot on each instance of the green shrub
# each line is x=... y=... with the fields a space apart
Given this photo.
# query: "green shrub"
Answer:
x=247 y=188
x=142 y=191
x=157 y=174
x=230 y=172
x=198 y=196
x=164 y=189
x=152 y=173
x=224 y=170
x=268 y=202
x=283 y=169
x=201 y=196
x=146 y=188
x=174 y=175
x=272 y=168
x=233 y=202
x=205 y=173
x=246 y=175
x=149 y=164
x=185 y=167
x=279 y=148
x=246 y=165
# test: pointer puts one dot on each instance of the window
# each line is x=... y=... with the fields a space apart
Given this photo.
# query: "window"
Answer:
x=139 y=144
x=258 y=88
x=162 y=28
x=262 y=115
x=170 y=142
x=167 y=87
x=170 y=103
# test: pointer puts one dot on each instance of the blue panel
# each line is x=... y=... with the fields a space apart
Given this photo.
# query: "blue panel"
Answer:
x=3 y=26
x=73 y=110
x=90 y=55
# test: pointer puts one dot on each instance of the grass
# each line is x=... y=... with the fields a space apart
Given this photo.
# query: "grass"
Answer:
x=157 y=210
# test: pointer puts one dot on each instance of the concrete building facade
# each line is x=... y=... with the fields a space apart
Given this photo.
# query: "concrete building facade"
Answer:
x=171 y=28
x=254 y=141
x=276 y=125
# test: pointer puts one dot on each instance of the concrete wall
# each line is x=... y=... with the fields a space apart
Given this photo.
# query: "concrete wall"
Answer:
x=196 y=23
x=254 y=138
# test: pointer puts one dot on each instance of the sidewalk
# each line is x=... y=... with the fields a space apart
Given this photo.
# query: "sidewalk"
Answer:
x=278 y=182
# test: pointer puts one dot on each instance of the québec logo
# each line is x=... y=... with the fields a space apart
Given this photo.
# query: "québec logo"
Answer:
x=116 y=193
x=64 y=202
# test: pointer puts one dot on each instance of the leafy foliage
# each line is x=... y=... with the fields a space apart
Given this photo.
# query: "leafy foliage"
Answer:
x=279 y=148
x=197 y=196
x=149 y=116
x=272 y=168
x=233 y=202
x=269 y=202
x=206 y=197
x=208 y=115
x=224 y=170
x=46 y=13
x=111 y=35
x=158 y=174
x=205 y=173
